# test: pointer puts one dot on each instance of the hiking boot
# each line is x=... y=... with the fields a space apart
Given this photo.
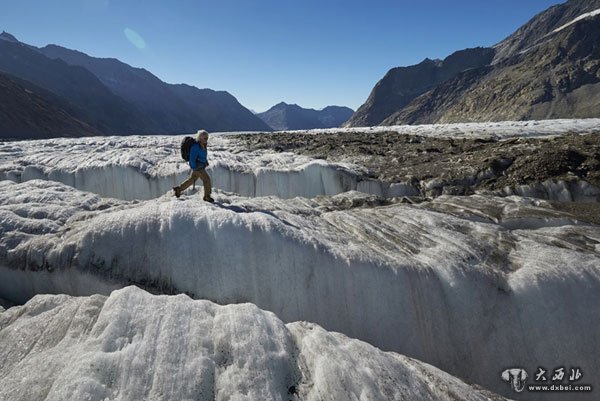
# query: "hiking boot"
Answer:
x=209 y=199
x=177 y=191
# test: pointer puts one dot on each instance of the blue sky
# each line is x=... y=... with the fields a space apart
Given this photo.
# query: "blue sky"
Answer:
x=312 y=53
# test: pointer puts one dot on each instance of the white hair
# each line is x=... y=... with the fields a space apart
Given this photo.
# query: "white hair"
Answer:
x=201 y=133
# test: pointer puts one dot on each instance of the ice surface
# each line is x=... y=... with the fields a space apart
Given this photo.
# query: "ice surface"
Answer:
x=497 y=130
x=558 y=190
x=136 y=346
x=469 y=284
x=147 y=167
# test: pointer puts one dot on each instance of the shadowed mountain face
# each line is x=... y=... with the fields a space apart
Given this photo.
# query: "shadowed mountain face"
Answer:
x=163 y=111
x=8 y=37
x=85 y=94
x=219 y=109
x=285 y=116
x=111 y=97
x=402 y=84
x=556 y=79
x=548 y=68
x=168 y=108
x=29 y=111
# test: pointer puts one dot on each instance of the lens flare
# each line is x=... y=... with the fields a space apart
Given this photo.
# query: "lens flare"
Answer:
x=135 y=38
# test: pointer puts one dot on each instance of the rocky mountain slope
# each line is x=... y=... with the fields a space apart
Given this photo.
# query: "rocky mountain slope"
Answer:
x=220 y=111
x=285 y=116
x=539 y=27
x=555 y=79
x=87 y=96
x=547 y=69
x=169 y=108
x=32 y=112
x=402 y=84
x=111 y=97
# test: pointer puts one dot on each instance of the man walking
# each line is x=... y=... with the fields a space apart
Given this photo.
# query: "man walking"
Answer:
x=198 y=162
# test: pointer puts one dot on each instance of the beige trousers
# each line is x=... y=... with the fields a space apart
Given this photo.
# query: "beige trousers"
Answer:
x=203 y=175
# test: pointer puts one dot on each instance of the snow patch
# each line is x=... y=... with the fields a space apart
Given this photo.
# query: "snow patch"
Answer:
x=582 y=16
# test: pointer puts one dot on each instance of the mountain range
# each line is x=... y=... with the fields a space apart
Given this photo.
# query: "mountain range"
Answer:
x=105 y=96
x=285 y=116
x=549 y=68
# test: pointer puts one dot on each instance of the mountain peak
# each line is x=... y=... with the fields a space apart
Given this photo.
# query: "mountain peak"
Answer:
x=427 y=60
x=8 y=37
x=285 y=116
x=284 y=106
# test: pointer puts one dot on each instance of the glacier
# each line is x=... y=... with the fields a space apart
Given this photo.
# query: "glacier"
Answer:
x=146 y=167
x=134 y=346
x=470 y=284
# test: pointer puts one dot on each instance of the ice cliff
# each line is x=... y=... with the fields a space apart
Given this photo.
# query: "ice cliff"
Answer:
x=469 y=284
x=139 y=167
x=135 y=346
